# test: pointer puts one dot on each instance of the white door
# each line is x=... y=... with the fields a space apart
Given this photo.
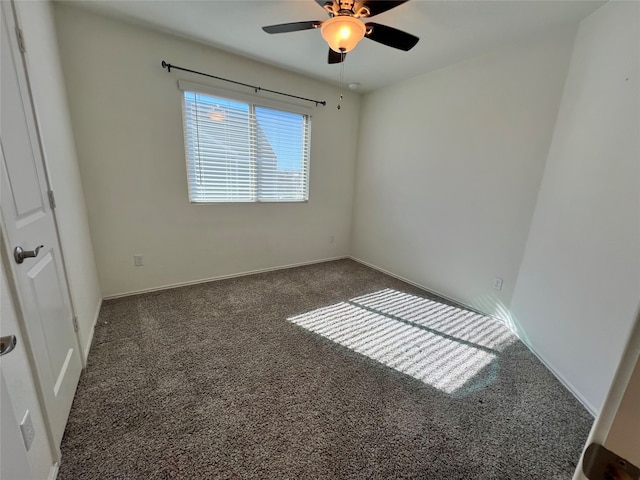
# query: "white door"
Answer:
x=28 y=222
x=13 y=459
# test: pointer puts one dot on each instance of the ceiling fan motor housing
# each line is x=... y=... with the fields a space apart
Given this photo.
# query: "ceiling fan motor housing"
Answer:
x=347 y=7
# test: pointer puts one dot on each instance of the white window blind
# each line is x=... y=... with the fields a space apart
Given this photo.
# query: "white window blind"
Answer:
x=242 y=152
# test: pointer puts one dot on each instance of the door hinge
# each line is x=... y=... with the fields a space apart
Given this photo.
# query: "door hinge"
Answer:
x=75 y=323
x=52 y=199
x=21 y=44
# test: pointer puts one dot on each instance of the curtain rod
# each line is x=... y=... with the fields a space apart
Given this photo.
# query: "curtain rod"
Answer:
x=169 y=66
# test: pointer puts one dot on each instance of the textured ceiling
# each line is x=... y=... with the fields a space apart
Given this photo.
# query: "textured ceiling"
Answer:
x=450 y=31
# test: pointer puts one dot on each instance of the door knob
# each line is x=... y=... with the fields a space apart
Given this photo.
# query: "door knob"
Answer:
x=7 y=344
x=19 y=254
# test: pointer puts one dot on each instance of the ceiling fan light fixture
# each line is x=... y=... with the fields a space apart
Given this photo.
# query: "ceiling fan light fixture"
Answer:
x=343 y=33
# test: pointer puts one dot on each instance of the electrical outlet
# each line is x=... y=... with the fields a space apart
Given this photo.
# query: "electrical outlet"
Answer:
x=497 y=283
x=137 y=260
x=28 y=433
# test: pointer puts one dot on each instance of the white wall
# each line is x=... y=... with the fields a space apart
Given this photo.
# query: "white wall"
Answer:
x=449 y=165
x=127 y=120
x=579 y=283
x=47 y=83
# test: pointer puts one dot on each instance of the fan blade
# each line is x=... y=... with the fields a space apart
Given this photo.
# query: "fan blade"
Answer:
x=335 y=57
x=292 y=27
x=376 y=7
x=392 y=37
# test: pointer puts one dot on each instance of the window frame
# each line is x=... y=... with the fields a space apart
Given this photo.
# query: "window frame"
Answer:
x=252 y=101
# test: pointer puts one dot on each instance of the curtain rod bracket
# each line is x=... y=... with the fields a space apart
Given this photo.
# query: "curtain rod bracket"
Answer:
x=257 y=89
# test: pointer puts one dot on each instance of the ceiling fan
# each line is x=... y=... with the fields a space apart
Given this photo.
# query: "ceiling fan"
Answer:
x=344 y=29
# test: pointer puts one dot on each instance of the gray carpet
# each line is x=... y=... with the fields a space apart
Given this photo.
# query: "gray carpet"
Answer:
x=319 y=372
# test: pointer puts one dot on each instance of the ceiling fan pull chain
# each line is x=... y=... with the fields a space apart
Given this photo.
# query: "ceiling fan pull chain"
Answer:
x=341 y=77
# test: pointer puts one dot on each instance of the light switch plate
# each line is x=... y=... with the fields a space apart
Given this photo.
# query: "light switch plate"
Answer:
x=28 y=432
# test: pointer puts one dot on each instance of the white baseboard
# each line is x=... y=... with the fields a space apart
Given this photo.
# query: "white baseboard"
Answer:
x=87 y=346
x=568 y=385
x=220 y=277
x=550 y=367
x=423 y=287
x=53 y=471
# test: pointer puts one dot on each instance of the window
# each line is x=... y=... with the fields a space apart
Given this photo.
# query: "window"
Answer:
x=240 y=151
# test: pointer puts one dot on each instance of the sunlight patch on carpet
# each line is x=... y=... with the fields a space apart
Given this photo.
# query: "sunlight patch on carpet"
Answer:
x=449 y=348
